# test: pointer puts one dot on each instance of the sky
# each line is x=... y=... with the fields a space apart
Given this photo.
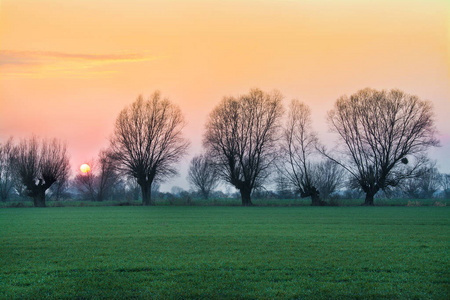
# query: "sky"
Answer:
x=68 y=67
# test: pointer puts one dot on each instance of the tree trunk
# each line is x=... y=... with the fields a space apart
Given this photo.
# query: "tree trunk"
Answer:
x=39 y=197
x=315 y=200
x=205 y=194
x=368 y=201
x=99 y=197
x=245 y=196
x=146 y=194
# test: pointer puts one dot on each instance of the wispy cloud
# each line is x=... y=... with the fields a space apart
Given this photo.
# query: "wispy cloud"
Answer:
x=49 y=63
x=32 y=57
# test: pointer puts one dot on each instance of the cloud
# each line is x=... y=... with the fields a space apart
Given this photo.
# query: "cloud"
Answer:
x=11 y=57
x=50 y=64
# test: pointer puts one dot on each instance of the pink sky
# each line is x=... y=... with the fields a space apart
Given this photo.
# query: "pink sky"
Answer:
x=67 y=68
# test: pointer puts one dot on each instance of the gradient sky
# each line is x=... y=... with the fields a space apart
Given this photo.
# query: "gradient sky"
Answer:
x=68 y=67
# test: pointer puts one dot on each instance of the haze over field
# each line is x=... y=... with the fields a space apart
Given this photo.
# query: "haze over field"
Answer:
x=67 y=68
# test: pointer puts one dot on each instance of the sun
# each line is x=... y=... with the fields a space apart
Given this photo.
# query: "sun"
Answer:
x=84 y=168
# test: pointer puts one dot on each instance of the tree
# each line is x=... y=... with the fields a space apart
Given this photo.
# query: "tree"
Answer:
x=202 y=175
x=241 y=135
x=107 y=177
x=330 y=177
x=86 y=182
x=148 y=142
x=58 y=190
x=39 y=165
x=445 y=185
x=299 y=144
x=383 y=135
x=283 y=186
x=97 y=184
x=7 y=156
x=424 y=184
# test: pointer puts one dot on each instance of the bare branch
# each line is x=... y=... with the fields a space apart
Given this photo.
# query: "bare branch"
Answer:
x=148 y=142
x=378 y=131
x=40 y=164
x=241 y=135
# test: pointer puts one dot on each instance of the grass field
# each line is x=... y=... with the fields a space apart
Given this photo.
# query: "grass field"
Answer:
x=225 y=252
x=229 y=202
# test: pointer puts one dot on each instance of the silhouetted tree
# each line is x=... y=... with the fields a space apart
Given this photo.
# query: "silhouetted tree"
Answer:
x=107 y=176
x=298 y=146
x=39 y=164
x=148 y=142
x=98 y=183
x=445 y=185
x=202 y=175
x=283 y=187
x=383 y=137
x=424 y=184
x=330 y=177
x=7 y=156
x=241 y=136
x=86 y=183
x=58 y=190
x=19 y=187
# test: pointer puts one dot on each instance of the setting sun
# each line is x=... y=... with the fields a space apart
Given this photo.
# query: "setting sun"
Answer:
x=85 y=168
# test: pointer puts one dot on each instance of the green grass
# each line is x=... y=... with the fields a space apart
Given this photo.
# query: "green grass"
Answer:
x=228 y=202
x=225 y=252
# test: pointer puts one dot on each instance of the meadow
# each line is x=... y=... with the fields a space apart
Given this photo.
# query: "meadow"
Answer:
x=187 y=252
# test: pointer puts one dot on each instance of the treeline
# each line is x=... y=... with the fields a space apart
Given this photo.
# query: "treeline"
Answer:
x=382 y=140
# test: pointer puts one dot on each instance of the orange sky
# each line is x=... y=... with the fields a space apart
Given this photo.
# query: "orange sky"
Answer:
x=68 y=67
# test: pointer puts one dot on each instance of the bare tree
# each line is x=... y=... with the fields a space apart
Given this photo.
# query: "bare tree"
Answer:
x=383 y=137
x=330 y=177
x=445 y=185
x=39 y=165
x=57 y=190
x=86 y=183
x=7 y=179
x=424 y=184
x=283 y=187
x=241 y=136
x=298 y=146
x=148 y=141
x=97 y=184
x=107 y=176
x=202 y=175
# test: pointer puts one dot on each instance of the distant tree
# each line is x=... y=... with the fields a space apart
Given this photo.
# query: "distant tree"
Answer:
x=176 y=190
x=148 y=142
x=125 y=188
x=330 y=177
x=39 y=164
x=7 y=179
x=202 y=175
x=86 y=183
x=58 y=190
x=155 y=189
x=283 y=187
x=445 y=185
x=241 y=135
x=424 y=184
x=98 y=183
x=298 y=146
x=107 y=175
x=19 y=188
x=383 y=137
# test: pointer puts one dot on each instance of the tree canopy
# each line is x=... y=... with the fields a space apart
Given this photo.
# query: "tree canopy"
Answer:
x=383 y=137
x=148 y=141
x=39 y=164
x=241 y=135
